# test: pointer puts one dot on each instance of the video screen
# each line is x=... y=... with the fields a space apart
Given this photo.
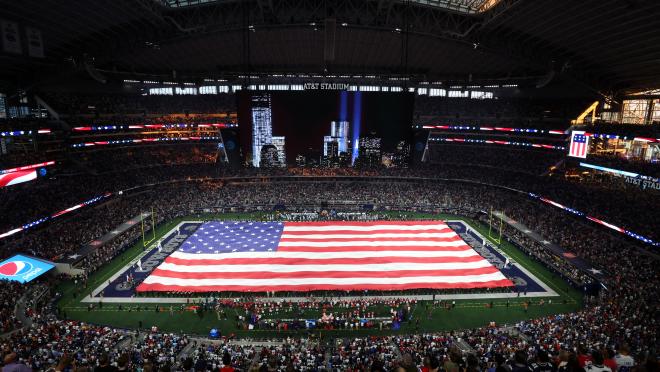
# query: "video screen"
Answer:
x=325 y=128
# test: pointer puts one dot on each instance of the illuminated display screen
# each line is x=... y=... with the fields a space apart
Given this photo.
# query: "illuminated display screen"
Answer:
x=317 y=128
x=14 y=178
x=23 y=269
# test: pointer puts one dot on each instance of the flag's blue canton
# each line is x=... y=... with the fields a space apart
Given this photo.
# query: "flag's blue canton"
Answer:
x=579 y=138
x=233 y=236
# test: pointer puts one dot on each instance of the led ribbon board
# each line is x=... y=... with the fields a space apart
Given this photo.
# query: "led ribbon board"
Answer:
x=596 y=220
x=609 y=170
x=27 y=167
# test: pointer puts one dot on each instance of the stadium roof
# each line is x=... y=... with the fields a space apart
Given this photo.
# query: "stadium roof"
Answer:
x=606 y=44
x=463 y=6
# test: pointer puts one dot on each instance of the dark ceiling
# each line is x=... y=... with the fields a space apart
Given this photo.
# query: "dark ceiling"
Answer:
x=609 y=45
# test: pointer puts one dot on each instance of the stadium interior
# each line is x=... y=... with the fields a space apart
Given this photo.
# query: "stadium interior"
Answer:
x=336 y=185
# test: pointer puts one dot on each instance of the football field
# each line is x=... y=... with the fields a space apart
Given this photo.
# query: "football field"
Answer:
x=110 y=296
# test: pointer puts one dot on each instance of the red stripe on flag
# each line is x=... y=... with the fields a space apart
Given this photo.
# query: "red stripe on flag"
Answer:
x=360 y=223
x=324 y=287
x=321 y=274
x=368 y=232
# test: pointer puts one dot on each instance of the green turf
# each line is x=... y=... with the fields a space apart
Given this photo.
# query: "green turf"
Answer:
x=467 y=314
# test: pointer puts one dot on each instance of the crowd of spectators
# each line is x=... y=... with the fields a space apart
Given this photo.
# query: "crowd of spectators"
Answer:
x=212 y=356
x=10 y=292
x=173 y=199
x=139 y=157
x=506 y=110
x=363 y=353
x=121 y=121
x=624 y=317
x=98 y=172
x=296 y=354
x=625 y=314
x=101 y=255
x=48 y=340
x=160 y=349
x=21 y=158
x=79 y=104
x=28 y=202
x=508 y=158
x=541 y=253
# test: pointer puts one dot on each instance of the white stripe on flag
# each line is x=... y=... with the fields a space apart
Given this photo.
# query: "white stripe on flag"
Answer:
x=331 y=227
x=322 y=255
x=376 y=243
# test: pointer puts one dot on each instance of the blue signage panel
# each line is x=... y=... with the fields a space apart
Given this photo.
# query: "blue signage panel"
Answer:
x=23 y=269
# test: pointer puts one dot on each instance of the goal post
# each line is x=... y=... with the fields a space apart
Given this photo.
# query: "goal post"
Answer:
x=146 y=242
x=492 y=230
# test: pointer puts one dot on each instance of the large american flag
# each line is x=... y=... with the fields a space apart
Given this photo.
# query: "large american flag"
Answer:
x=337 y=255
